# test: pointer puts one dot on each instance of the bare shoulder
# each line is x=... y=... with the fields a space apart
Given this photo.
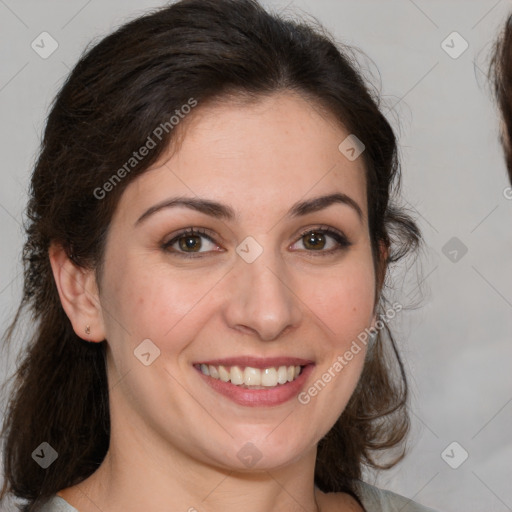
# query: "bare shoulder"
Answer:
x=75 y=498
x=337 y=502
x=85 y=494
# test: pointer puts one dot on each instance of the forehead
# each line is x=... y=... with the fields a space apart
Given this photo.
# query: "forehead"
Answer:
x=258 y=156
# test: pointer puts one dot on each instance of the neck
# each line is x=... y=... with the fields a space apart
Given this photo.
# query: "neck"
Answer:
x=142 y=472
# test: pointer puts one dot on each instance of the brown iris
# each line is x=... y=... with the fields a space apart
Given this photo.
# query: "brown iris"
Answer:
x=315 y=240
x=187 y=242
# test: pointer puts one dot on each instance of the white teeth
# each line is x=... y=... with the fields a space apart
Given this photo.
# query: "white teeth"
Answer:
x=253 y=377
x=282 y=375
x=213 y=372
x=269 y=377
x=224 y=374
x=237 y=377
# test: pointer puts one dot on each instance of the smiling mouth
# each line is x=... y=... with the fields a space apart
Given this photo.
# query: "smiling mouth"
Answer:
x=252 y=378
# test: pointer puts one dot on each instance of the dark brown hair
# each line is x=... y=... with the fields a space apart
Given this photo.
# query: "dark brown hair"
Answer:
x=501 y=75
x=120 y=90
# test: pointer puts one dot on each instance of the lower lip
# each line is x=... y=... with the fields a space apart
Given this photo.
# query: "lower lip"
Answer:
x=260 y=397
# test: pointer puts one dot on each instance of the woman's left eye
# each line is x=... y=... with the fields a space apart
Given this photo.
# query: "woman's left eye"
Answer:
x=322 y=241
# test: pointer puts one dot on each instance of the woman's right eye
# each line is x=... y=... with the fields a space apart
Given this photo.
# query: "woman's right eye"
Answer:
x=188 y=243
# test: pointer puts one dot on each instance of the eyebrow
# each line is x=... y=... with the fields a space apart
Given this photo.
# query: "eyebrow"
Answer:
x=225 y=212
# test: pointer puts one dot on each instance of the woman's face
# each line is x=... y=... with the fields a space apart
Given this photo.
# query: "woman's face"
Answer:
x=273 y=278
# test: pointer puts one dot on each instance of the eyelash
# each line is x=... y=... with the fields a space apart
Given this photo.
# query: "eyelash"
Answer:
x=340 y=238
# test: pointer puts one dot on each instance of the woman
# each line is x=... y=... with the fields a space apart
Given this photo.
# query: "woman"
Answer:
x=210 y=228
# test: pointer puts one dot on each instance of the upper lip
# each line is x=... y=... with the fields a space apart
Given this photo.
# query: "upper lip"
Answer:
x=257 y=362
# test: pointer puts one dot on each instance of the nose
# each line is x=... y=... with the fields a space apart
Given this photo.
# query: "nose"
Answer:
x=263 y=300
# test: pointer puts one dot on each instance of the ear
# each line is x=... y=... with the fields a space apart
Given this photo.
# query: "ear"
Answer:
x=382 y=266
x=79 y=295
x=380 y=276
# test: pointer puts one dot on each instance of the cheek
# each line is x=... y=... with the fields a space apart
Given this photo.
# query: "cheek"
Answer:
x=150 y=300
x=344 y=302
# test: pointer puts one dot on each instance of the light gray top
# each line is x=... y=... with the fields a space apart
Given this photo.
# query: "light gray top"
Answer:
x=379 y=500
x=372 y=498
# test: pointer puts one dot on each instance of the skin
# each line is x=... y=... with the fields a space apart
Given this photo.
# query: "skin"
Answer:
x=174 y=440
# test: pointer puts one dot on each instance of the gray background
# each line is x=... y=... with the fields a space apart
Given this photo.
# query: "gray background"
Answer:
x=457 y=344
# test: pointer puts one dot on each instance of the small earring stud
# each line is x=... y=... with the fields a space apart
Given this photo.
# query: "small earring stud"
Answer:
x=87 y=329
